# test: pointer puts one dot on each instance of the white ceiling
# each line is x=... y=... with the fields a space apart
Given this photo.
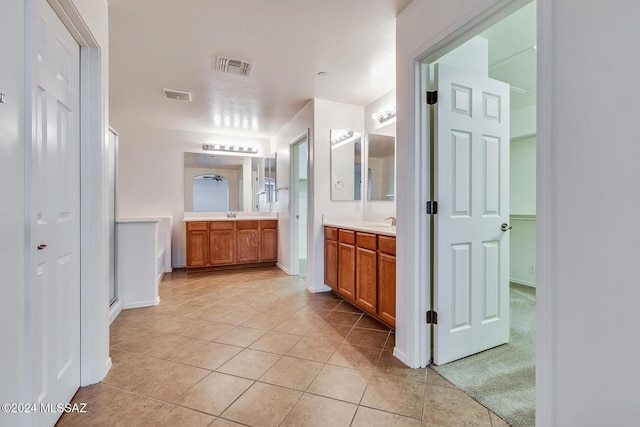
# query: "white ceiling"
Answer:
x=173 y=44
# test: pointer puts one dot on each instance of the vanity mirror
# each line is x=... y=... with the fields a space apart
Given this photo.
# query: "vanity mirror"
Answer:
x=346 y=164
x=223 y=183
x=381 y=163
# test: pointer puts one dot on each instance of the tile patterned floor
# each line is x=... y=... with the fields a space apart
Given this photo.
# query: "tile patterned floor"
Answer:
x=253 y=347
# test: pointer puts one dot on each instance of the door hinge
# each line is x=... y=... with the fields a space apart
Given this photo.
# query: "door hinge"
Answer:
x=432 y=317
x=432 y=97
x=432 y=207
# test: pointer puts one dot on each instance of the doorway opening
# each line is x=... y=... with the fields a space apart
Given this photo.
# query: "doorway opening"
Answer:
x=484 y=183
x=300 y=204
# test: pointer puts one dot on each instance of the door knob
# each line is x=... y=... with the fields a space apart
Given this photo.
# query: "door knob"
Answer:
x=505 y=226
x=41 y=246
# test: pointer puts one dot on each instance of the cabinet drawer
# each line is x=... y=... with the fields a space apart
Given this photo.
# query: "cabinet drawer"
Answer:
x=221 y=225
x=366 y=240
x=347 y=236
x=331 y=233
x=265 y=224
x=387 y=245
x=247 y=225
x=199 y=225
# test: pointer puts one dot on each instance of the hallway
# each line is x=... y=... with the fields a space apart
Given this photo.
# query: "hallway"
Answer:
x=254 y=347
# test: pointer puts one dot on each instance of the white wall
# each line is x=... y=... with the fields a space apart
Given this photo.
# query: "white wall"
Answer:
x=151 y=172
x=592 y=181
x=12 y=206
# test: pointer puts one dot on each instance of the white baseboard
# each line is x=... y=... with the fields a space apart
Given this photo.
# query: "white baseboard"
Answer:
x=139 y=304
x=115 y=310
x=402 y=357
x=523 y=282
x=321 y=288
x=283 y=268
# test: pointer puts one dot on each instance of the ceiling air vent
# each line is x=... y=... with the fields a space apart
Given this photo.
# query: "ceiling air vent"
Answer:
x=233 y=66
x=179 y=95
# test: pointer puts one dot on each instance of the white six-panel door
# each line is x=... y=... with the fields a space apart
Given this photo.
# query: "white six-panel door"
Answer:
x=55 y=308
x=471 y=274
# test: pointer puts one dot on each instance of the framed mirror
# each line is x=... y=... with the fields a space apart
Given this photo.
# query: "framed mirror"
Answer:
x=346 y=164
x=223 y=183
x=381 y=164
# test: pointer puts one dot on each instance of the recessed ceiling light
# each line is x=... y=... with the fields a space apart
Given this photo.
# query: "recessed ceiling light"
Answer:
x=323 y=74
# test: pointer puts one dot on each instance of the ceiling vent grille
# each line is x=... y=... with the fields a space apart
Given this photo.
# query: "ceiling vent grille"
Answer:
x=179 y=95
x=233 y=66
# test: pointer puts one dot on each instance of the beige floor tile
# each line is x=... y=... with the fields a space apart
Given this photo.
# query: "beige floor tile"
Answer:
x=211 y=356
x=496 y=421
x=451 y=407
x=292 y=372
x=125 y=333
x=330 y=331
x=100 y=409
x=120 y=357
x=250 y=364
x=138 y=341
x=275 y=342
x=388 y=364
x=166 y=380
x=350 y=356
x=263 y=405
x=435 y=378
x=265 y=321
x=173 y=347
x=367 y=417
x=204 y=329
x=368 y=322
x=219 y=422
x=348 y=308
x=168 y=415
x=315 y=349
x=342 y=318
x=295 y=326
x=133 y=371
x=318 y=411
x=214 y=393
x=340 y=383
x=368 y=337
x=394 y=395
x=240 y=336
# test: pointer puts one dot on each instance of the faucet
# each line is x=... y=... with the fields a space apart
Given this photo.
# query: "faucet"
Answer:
x=231 y=214
x=393 y=220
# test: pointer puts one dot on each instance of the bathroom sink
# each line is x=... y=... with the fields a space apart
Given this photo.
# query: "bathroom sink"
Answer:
x=380 y=226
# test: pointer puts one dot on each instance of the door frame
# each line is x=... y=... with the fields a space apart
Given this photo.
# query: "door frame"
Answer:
x=94 y=296
x=419 y=333
x=294 y=231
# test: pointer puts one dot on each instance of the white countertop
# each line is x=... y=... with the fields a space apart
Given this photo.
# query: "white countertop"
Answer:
x=359 y=225
x=222 y=216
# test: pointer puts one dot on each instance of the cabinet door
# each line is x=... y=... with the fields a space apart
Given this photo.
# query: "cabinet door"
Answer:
x=268 y=240
x=331 y=263
x=387 y=288
x=366 y=279
x=247 y=242
x=269 y=244
x=222 y=243
x=346 y=270
x=197 y=248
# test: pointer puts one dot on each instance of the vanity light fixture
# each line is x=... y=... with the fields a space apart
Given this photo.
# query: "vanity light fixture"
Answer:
x=230 y=148
x=341 y=136
x=386 y=115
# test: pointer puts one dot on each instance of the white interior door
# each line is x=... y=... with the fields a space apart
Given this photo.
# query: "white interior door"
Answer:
x=55 y=308
x=472 y=189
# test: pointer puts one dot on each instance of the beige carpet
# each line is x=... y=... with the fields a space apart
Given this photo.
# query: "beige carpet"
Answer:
x=503 y=378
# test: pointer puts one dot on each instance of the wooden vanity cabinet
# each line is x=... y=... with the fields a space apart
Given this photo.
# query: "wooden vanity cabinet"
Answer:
x=223 y=243
x=331 y=257
x=197 y=244
x=361 y=267
x=347 y=264
x=387 y=279
x=366 y=272
x=268 y=240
